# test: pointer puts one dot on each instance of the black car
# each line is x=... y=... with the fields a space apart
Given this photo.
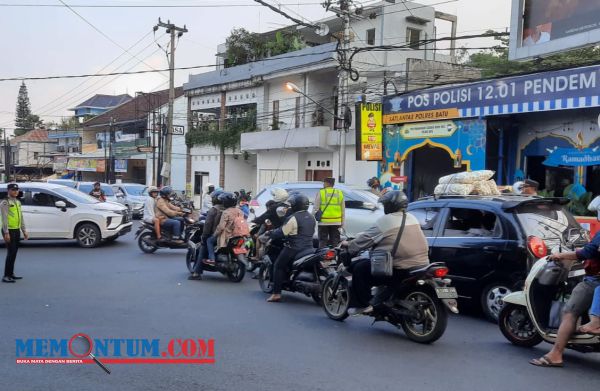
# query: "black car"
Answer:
x=490 y=243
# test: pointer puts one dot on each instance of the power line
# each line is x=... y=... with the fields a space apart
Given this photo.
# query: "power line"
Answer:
x=149 y=5
x=104 y=34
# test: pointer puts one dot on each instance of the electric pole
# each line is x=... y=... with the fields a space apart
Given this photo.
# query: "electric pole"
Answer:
x=173 y=30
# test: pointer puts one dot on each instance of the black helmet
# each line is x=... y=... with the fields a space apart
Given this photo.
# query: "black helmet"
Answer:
x=371 y=182
x=215 y=196
x=165 y=191
x=393 y=201
x=298 y=202
x=228 y=199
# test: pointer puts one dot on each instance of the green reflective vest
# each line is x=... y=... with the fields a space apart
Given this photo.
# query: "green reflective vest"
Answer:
x=332 y=210
x=14 y=214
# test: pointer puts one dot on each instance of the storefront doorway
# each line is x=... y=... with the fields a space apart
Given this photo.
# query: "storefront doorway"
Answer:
x=426 y=165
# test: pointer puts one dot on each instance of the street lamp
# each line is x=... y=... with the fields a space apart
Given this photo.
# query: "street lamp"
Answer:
x=346 y=121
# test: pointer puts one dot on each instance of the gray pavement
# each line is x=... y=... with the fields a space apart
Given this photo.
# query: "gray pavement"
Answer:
x=115 y=291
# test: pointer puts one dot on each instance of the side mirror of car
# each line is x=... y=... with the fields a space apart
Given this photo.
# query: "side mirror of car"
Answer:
x=369 y=205
x=120 y=195
x=61 y=205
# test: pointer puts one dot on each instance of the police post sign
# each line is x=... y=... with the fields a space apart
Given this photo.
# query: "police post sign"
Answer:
x=369 y=131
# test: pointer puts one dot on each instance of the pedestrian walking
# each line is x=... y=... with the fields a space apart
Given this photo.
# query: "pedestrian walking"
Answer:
x=12 y=226
x=329 y=211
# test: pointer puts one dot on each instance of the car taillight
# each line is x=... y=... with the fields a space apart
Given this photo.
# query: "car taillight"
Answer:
x=329 y=255
x=440 y=272
x=537 y=247
x=254 y=203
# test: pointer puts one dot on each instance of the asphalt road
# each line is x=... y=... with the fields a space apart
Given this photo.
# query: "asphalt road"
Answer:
x=115 y=291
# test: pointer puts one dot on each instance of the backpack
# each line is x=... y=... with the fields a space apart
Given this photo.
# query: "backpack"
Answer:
x=240 y=226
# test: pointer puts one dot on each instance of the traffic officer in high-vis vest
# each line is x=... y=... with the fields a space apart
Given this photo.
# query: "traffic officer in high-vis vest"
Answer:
x=329 y=210
x=12 y=225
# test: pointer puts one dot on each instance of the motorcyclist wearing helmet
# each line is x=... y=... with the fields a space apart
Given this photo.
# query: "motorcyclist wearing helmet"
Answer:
x=412 y=250
x=279 y=197
x=207 y=251
x=374 y=186
x=169 y=214
x=149 y=208
x=233 y=223
x=207 y=198
x=298 y=229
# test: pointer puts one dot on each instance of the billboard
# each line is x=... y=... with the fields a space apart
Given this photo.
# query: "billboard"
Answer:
x=543 y=27
x=368 y=133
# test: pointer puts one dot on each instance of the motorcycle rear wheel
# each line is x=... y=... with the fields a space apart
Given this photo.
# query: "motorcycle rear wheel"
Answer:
x=264 y=278
x=335 y=306
x=432 y=319
x=516 y=326
x=145 y=242
x=238 y=273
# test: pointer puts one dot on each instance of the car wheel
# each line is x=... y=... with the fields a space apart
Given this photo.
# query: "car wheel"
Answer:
x=88 y=235
x=492 y=299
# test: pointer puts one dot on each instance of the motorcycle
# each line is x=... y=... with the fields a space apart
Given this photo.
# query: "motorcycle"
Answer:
x=417 y=305
x=146 y=236
x=532 y=316
x=308 y=272
x=230 y=261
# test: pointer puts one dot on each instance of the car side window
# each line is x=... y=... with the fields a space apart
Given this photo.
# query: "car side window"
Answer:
x=427 y=218
x=38 y=198
x=465 y=222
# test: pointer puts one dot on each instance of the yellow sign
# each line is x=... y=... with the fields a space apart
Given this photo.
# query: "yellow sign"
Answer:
x=89 y=148
x=370 y=131
x=428 y=130
x=420 y=116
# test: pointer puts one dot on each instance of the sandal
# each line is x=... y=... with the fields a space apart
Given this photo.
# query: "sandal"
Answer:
x=544 y=361
x=594 y=331
x=272 y=299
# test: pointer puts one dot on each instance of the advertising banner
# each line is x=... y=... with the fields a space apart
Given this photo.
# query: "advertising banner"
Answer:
x=546 y=91
x=368 y=133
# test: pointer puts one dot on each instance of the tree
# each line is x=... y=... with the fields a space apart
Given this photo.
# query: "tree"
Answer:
x=494 y=62
x=23 y=112
x=207 y=133
x=244 y=47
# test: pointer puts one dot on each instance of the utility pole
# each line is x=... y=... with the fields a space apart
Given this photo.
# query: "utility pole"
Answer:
x=111 y=154
x=343 y=85
x=173 y=30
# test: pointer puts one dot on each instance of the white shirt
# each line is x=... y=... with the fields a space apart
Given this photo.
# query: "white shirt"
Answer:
x=206 y=203
x=149 y=206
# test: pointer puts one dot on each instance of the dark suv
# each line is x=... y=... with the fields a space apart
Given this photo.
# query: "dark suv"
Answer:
x=490 y=243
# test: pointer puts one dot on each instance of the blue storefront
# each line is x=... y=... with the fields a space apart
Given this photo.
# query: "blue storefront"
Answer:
x=521 y=127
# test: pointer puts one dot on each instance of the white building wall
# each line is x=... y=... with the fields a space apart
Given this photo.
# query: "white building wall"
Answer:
x=27 y=152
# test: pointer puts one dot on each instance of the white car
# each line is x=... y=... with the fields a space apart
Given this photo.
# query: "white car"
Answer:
x=362 y=209
x=54 y=211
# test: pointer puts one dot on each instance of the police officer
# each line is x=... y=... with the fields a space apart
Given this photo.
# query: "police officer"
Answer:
x=329 y=211
x=298 y=230
x=12 y=225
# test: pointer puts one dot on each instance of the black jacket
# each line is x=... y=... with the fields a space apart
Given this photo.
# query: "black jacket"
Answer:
x=271 y=214
x=298 y=230
x=213 y=217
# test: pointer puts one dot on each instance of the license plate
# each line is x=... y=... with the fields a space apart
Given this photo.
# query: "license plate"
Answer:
x=446 y=293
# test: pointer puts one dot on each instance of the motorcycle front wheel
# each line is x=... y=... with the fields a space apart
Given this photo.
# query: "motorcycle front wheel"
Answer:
x=336 y=304
x=146 y=242
x=517 y=327
x=430 y=320
x=264 y=278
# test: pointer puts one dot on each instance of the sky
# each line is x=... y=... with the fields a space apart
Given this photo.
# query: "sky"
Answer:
x=43 y=40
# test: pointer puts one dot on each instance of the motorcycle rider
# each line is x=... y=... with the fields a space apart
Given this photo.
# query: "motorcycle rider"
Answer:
x=279 y=197
x=412 y=251
x=298 y=229
x=233 y=223
x=579 y=302
x=149 y=208
x=213 y=217
x=207 y=198
x=98 y=193
x=170 y=215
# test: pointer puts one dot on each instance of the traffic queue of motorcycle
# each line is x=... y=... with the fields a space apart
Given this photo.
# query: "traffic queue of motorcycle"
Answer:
x=419 y=303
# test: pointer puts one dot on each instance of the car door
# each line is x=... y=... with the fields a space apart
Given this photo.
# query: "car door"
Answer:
x=470 y=241
x=428 y=216
x=42 y=218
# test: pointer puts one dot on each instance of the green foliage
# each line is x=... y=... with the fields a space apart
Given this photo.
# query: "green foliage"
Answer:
x=207 y=132
x=23 y=111
x=244 y=47
x=494 y=62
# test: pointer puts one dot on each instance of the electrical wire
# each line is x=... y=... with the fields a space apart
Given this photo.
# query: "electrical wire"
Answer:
x=150 y=5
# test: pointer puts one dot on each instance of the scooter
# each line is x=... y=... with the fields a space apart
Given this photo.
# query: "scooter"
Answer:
x=417 y=305
x=230 y=261
x=147 y=242
x=532 y=316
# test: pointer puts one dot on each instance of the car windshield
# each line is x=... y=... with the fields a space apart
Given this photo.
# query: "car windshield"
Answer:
x=86 y=188
x=550 y=222
x=135 y=190
x=75 y=195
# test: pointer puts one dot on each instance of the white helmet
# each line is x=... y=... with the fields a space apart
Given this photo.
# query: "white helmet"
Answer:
x=279 y=194
x=517 y=187
x=152 y=189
